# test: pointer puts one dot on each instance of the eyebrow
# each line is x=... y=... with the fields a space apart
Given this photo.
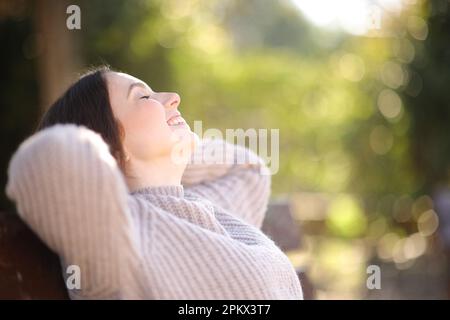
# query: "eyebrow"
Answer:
x=135 y=84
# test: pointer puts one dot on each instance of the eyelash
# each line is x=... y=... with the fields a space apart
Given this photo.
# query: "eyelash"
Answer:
x=145 y=97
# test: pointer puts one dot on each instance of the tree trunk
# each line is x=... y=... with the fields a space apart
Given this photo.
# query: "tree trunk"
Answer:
x=58 y=59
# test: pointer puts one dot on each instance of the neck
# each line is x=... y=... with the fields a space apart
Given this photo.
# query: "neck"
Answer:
x=157 y=172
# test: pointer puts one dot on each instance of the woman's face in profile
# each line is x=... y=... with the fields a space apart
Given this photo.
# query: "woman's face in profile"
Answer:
x=151 y=120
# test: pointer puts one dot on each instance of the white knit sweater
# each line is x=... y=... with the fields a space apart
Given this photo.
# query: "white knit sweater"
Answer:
x=196 y=241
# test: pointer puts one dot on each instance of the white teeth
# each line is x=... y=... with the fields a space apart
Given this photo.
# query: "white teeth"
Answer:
x=175 y=121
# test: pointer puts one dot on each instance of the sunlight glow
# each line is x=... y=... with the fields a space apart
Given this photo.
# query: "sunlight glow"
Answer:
x=354 y=16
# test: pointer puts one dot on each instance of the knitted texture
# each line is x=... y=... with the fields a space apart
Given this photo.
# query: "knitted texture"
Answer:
x=198 y=240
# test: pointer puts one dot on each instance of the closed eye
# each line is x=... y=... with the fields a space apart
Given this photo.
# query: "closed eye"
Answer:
x=145 y=97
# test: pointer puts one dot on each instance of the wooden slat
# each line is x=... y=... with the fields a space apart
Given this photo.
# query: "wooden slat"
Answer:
x=28 y=269
x=280 y=226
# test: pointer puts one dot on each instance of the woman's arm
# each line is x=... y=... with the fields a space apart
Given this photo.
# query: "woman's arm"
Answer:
x=237 y=179
x=69 y=190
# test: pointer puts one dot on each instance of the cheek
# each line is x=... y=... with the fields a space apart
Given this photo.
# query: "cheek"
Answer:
x=146 y=130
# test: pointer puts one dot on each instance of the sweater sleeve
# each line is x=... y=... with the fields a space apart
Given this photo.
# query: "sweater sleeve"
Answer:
x=230 y=176
x=67 y=187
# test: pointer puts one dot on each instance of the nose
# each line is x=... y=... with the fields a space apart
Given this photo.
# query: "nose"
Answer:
x=170 y=99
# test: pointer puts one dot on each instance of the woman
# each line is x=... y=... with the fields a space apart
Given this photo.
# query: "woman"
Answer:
x=109 y=184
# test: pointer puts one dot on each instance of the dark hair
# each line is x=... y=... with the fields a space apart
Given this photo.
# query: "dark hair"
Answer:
x=86 y=102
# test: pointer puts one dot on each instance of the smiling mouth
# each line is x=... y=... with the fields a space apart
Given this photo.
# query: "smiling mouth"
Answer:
x=176 y=121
